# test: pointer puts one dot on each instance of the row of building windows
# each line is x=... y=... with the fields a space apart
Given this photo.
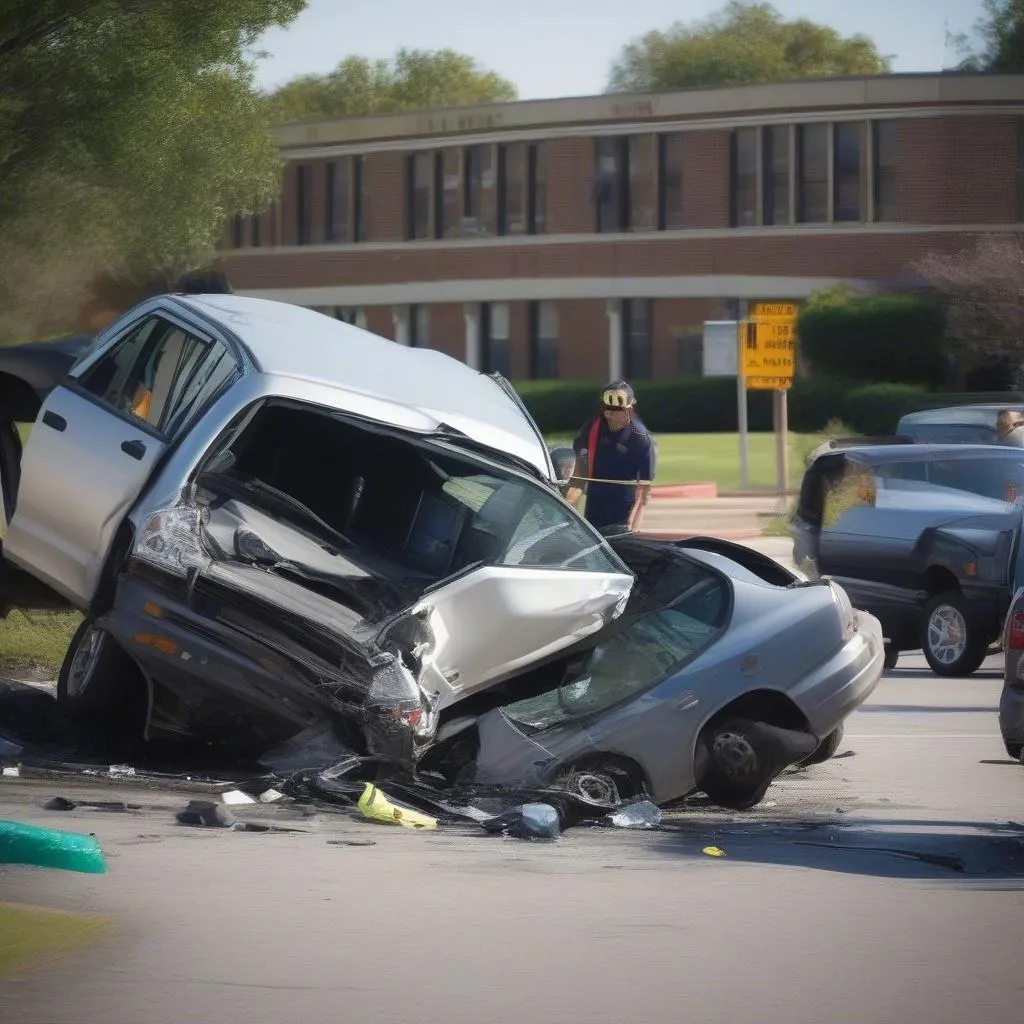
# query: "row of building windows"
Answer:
x=788 y=174
x=542 y=335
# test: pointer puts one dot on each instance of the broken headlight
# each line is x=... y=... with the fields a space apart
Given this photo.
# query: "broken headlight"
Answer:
x=171 y=540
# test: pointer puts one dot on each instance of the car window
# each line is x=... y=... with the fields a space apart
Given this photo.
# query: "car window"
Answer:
x=854 y=487
x=950 y=433
x=893 y=472
x=1001 y=479
x=637 y=657
x=147 y=374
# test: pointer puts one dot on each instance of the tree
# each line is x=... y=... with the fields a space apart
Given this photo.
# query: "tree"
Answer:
x=982 y=289
x=743 y=43
x=129 y=131
x=411 y=80
x=1002 y=36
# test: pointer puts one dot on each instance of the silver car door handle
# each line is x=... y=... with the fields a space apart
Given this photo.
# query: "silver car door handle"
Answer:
x=136 y=449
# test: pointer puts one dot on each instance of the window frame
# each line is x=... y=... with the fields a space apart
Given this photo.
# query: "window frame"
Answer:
x=617 y=184
x=665 y=140
x=743 y=140
x=627 y=321
x=802 y=179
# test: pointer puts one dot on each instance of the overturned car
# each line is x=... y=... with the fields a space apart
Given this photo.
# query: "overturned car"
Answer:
x=281 y=520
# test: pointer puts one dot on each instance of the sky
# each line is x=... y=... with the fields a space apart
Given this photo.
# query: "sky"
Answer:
x=552 y=48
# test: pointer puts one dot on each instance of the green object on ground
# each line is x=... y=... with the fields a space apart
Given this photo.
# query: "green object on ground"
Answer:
x=50 y=848
x=28 y=934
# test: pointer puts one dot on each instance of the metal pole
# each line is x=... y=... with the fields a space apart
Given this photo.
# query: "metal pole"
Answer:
x=782 y=442
x=741 y=407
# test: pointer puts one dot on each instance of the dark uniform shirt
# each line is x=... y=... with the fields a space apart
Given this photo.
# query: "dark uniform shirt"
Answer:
x=626 y=455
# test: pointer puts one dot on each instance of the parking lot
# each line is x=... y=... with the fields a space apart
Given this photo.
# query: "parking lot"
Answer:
x=882 y=885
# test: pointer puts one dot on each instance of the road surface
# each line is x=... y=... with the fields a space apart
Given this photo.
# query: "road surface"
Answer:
x=822 y=910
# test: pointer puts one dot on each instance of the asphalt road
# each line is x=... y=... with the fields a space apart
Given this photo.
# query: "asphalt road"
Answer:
x=883 y=886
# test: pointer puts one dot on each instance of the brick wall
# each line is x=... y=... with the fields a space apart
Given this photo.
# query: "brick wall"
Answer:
x=384 y=189
x=448 y=328
x=570 y=181
x=706 y=176
x=583 y=338
x=670 y=320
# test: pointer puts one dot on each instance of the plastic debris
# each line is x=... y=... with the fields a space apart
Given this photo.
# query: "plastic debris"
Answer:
x=60 y=803
x=49 y=848
x=642 y=814
x=11 y=772
x=530 y=821
x=121 y=771
x=373 y=804
x=713 y=851
x=236 y=796
x=206 y=814
x=270 y=795
x=9 y=749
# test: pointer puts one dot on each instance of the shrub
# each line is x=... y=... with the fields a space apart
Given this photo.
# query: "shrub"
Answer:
x=898 y=338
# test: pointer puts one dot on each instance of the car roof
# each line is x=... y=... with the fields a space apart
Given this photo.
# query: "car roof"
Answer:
x=888 y=453
x=291 y=340
x=985 y=413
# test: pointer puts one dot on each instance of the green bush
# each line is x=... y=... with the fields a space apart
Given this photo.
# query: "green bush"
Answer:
x=876 y=409
x=897 y=338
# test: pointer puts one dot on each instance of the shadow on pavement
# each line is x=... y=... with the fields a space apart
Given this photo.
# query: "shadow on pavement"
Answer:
x=987 y=709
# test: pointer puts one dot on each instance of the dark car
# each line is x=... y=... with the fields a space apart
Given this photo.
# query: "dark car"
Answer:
x=960 y=424
x=925 y=537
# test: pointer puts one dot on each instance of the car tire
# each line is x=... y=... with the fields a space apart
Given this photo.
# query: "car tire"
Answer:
x=10 y=470
x=740 y=766
x=892 y=656
x=98 y=682
x=950 y=616
x=826 y=748
x=1014 y=750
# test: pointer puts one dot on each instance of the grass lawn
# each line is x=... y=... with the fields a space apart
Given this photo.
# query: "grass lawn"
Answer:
x=689 y=458
x=31 y=935
x=36 y=641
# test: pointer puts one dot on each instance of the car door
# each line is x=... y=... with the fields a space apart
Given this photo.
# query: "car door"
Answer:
x=548 y=581
x=97 y=439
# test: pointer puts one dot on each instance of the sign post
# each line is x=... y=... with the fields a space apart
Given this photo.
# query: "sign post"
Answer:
x=767 y=362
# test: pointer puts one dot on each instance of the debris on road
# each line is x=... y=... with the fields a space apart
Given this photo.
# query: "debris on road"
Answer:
x=121 y=771
x=373 y=804
x=11 y=772
x=530 y=821
x=206 y=814
x=642 y=814
x=713 y=851
x=269 y=796
x=50 y=848
x=60 y=803
x=236 y=796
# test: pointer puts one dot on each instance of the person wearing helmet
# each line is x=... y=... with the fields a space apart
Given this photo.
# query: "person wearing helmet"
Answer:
x=612 y=450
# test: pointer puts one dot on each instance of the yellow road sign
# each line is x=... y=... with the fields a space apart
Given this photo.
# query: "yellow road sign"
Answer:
x=768 y=352
x=774 y=311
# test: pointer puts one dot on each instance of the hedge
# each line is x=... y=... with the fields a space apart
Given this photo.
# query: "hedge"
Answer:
x=691 y=405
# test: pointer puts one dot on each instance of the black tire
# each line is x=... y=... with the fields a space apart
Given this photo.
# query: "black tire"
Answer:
x=892 y=656
x=740 y=765
x=112 y=692
x=826 y=748
x=10 y=470
x=1014 y=749
x=973 y=645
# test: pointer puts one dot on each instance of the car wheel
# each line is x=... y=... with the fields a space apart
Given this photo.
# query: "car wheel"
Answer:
x=953 y=643
x=892 y=656
x=10 y=471
x=740 y=766
x=1014 y=749
x=826 y=748
x=98 y=682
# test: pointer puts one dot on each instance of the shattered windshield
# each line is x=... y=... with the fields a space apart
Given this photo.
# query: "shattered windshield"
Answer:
x=635 y=659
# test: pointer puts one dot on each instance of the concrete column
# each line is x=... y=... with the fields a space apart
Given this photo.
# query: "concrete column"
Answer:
x=471 y=311
x=613 y=307
x=400 y=316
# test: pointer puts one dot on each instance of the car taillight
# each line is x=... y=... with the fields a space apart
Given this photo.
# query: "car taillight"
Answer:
x=1015 y=634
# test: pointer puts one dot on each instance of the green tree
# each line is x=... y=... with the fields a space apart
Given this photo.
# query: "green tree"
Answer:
x=1001 y=31
x=129 y=131
x=411 y=80
x=743 y=43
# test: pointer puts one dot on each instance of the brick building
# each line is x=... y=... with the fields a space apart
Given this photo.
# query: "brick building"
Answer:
x=592 y=237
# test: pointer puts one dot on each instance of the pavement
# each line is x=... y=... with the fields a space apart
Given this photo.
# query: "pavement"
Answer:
x=731 y=518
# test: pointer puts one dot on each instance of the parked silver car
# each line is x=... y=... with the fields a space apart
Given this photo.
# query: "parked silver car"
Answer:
x=272 y=519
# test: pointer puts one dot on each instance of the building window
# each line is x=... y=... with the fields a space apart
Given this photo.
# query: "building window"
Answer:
x=359 y=185
x=538 y=188
x=419 y=326
x=776 y=174
x=355 y=315
x=611 y=183
x=513 y=202
x=847 y=170
x=495 y=323
x=744 y=177
x=238 y=231
x=643 y=182
x=885 y=169
x=481 y=183
x=670 y=176
x=419 y=181
x=543 y=339
x=812 y=153
x=636 y=330
x=303 y=204
x=452 y=197
x=338 y=201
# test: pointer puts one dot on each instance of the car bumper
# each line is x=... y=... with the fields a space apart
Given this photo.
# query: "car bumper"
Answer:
x=838 y=687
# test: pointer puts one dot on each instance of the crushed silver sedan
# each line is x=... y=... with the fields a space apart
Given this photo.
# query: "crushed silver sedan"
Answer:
x=279 y=520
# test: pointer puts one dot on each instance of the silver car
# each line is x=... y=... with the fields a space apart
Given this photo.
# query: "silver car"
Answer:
x=272 y=519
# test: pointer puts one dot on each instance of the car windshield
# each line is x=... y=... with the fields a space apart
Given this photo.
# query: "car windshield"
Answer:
x=950 y=433
x=637 y=657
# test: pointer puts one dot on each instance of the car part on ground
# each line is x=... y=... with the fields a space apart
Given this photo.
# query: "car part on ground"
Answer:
x=826 y=749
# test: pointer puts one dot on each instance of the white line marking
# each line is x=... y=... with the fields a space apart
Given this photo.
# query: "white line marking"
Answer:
x=923 y=736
